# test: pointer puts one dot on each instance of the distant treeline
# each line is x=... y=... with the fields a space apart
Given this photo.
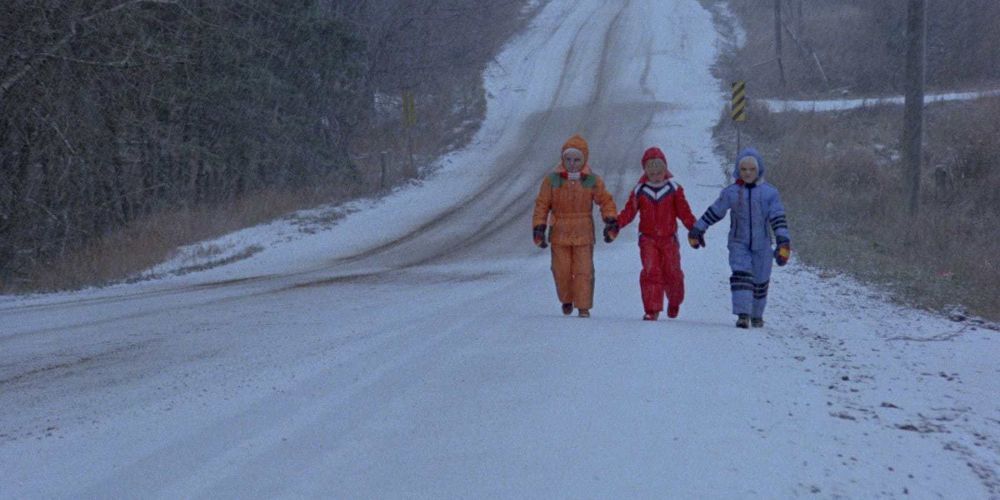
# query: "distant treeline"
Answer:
x=859 y=45
x=114 y=109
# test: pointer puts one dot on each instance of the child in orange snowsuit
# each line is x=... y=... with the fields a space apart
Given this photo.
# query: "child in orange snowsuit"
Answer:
x=659 y=203
x=569 y=194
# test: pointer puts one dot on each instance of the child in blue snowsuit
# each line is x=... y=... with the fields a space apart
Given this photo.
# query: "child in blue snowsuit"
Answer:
x=755 y=211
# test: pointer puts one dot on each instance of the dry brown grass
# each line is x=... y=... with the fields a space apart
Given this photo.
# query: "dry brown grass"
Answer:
x=841 y=177
x=147 y=242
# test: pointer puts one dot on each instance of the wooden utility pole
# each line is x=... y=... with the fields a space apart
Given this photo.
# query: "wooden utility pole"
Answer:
x=409 y=120
x=799 y=20
x=913 y=114
x=777 y=40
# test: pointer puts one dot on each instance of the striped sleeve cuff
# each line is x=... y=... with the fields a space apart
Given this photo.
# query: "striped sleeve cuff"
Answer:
x=779 y=222
x=710 y=217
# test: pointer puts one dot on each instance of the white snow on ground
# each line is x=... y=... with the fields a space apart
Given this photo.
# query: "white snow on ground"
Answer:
x=306 y=371
x=778 y=105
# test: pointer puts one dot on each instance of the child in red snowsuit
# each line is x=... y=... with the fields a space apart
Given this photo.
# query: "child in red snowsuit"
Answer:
x=659 y=203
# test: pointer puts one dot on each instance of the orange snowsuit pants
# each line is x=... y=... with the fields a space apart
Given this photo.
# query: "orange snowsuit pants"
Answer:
x=573 y=271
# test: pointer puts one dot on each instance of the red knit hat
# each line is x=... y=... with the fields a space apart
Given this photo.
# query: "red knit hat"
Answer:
x=653 y=152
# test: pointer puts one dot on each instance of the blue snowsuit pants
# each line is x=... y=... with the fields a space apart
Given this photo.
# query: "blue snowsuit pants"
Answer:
x=750 y=278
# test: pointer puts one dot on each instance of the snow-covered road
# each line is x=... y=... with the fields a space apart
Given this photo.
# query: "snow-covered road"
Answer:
x=416 y=348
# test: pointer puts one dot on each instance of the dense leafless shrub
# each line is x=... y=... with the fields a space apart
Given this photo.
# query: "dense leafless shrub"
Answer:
x=859 y=44
x=116 y=111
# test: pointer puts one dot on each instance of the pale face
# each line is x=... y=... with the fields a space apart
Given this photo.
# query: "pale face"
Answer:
x=572 y=161
x=748 y=170
x=656 y=170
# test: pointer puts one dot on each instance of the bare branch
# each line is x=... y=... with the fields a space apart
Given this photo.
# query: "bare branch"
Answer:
x=39 y=58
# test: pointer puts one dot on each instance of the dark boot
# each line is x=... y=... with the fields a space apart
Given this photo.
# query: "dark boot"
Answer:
x=743 y=321
x=757 y=322
x=673 y=310
x=651 y=316
x=584 y=313
x=567 y=308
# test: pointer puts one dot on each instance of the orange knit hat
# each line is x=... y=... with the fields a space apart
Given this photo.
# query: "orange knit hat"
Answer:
x=577 y=142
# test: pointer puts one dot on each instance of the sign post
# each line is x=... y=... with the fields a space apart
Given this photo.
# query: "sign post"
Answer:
x=409 y=120
x=738 y=109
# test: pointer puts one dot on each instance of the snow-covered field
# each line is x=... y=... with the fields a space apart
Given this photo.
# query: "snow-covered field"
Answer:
x=415 y=348
x=778 y=105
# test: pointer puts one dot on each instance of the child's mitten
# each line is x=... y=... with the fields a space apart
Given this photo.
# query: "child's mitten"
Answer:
x=696 y=238
x=610 y=229
x=538 y=233
x=783 y=251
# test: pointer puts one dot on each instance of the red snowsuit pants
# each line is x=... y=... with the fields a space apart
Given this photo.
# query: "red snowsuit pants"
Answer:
x=661 y=272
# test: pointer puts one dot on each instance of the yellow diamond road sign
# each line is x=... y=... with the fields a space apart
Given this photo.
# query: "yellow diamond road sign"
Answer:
x=739 y=103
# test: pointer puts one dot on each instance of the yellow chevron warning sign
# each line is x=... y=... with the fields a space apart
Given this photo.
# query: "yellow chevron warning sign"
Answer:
x=739 y=103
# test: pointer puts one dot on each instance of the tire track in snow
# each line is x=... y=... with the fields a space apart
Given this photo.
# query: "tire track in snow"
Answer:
x=335 y=395
x=513 y=197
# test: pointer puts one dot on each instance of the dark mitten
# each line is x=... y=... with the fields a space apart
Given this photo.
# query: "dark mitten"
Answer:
x=538 y=233
x=696 y=238
x=782 y=252
x=610 y=229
